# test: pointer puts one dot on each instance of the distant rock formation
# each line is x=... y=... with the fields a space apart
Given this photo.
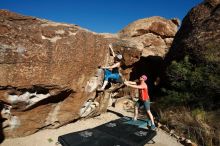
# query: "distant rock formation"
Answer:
x=199 y=34
x=153 y=35
x=49 y=70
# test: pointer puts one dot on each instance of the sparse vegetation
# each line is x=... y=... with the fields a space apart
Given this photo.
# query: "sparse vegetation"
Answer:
x=199 y=114
x=195 y=86
x=50 y=140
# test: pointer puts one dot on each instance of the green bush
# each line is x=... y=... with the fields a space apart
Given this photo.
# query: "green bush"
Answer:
x=194 y=85
x=199 y=114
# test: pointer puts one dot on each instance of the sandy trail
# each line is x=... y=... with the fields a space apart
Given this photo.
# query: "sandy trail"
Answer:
x=49 y=137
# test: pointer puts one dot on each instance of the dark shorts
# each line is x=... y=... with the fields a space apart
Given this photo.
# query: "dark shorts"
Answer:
x=145 y=103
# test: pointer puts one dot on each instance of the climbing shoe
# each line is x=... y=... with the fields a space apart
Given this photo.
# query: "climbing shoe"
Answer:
x=153 y=127
x=134 y=119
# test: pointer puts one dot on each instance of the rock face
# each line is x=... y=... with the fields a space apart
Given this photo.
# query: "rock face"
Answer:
x=36 y=51
x=49 y=71
x=40 y=58
x=153 y=35
x=199 y=35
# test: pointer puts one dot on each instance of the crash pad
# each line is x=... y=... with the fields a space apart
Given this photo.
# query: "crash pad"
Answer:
x=120 y=132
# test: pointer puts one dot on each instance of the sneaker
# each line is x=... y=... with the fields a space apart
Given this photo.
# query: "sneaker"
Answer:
x=135 y=119
x=153 y=127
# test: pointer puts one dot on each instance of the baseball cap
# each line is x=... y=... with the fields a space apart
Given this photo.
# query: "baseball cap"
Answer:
x=144 y=77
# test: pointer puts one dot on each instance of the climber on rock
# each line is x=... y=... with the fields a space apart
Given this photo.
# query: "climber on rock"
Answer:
x=111 y=72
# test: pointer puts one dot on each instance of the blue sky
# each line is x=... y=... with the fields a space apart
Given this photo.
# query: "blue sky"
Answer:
x=100 y=15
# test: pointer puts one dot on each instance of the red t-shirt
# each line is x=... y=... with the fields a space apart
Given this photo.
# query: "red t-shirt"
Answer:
x=144 y=94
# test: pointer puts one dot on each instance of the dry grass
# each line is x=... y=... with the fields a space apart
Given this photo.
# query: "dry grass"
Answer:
x=197 y=125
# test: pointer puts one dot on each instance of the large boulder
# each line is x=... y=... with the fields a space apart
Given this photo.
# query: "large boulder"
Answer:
x=199 y=39
x=153 y=35
x=37 y=51
x=45 y=66
x=199 y=35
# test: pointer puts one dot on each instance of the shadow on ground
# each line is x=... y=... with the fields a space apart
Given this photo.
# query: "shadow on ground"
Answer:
x=123 y=132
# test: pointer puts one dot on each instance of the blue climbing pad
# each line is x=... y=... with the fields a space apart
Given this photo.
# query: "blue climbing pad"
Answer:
x=122 y=132
x=141 y=123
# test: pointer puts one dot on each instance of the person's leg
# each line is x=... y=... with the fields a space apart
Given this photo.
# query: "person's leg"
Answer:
x=113 y=76
x=109 y=75
x=150 y=116
x=106 y=77
x=104 y=85
x=147 y=107
x=137 y=105
x=107 y=72
x=135 y=112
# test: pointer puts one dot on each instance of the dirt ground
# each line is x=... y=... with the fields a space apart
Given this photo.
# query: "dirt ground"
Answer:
x=48 y=137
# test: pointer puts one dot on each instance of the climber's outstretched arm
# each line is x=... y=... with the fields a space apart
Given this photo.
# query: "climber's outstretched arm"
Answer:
x=113 y=53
